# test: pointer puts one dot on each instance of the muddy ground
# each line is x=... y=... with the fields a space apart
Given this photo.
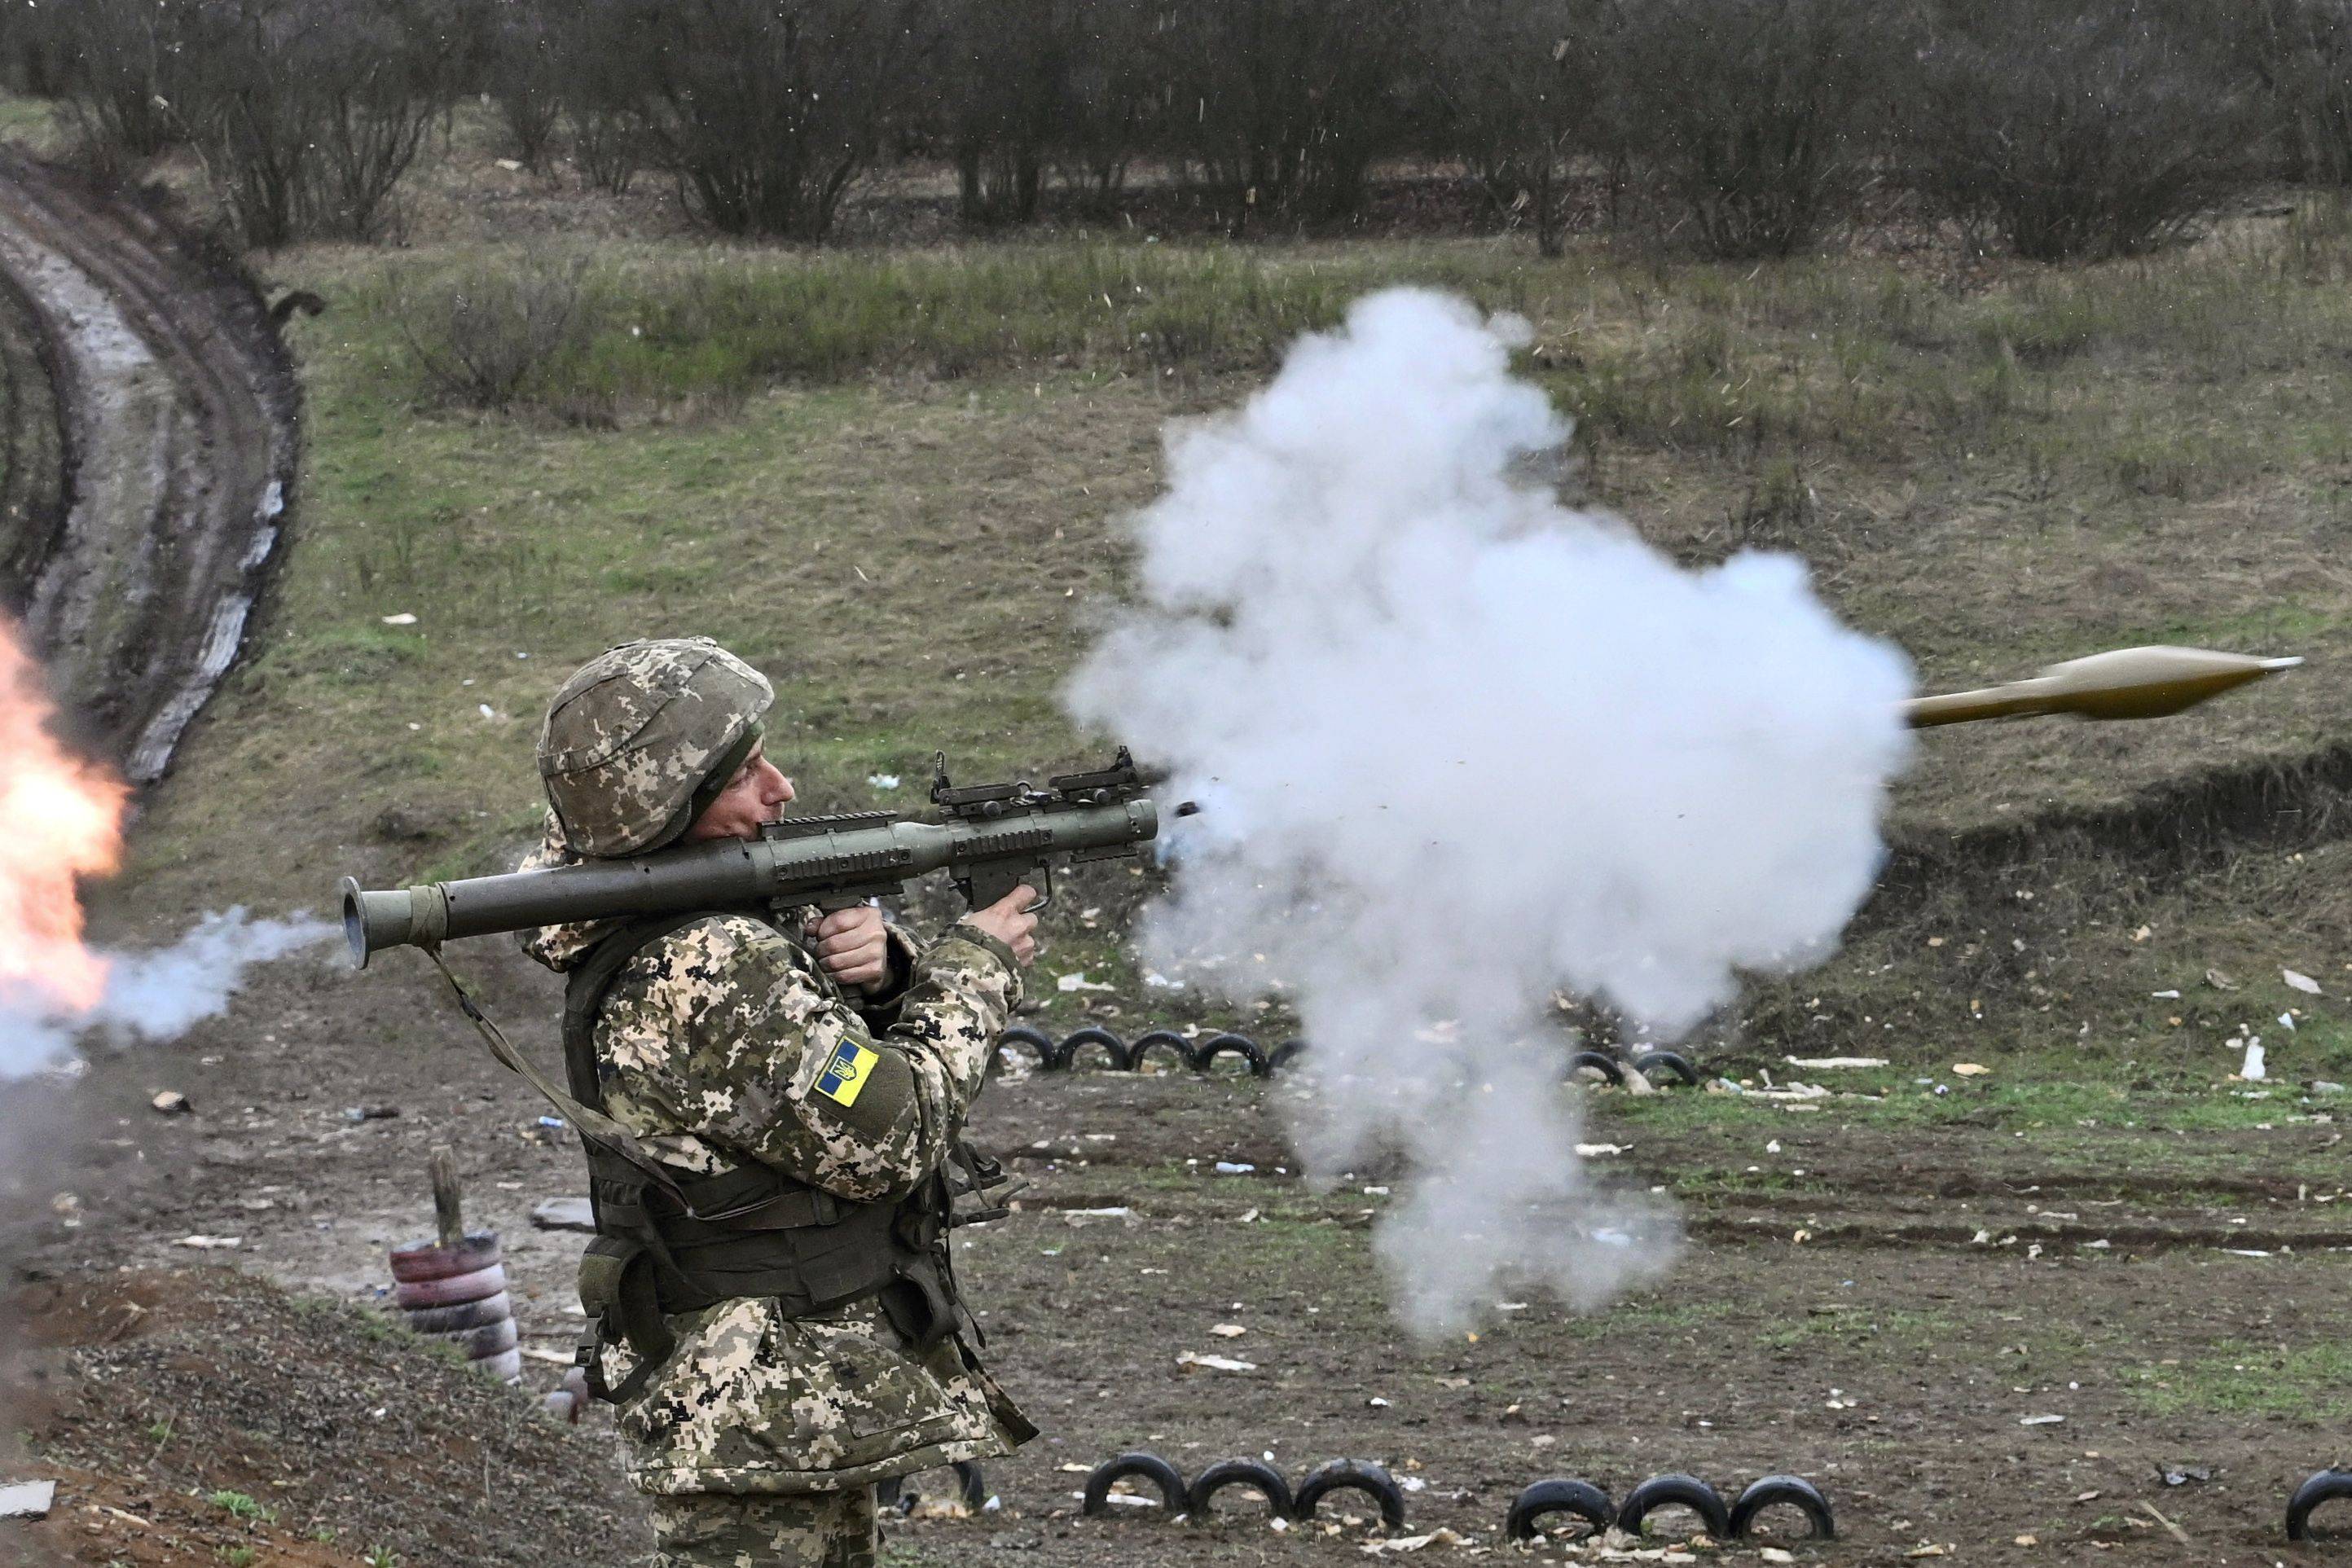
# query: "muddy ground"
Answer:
x=1881 y=1307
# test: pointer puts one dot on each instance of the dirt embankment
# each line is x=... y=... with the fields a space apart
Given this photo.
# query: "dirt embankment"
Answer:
x=177 y=413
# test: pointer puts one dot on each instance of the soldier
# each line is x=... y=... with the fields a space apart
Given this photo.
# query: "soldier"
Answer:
x=775 y=1310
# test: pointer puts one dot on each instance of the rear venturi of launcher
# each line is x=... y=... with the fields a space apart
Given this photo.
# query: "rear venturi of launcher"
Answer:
x=994 y=838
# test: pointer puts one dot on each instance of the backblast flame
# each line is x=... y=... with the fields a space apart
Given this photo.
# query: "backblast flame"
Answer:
x=61 y=819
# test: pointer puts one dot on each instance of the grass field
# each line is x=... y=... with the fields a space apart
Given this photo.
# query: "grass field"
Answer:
x=895 y=479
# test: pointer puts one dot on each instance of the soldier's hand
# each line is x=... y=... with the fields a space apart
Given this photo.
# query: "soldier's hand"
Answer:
x=855 y=946
x=1009 y=921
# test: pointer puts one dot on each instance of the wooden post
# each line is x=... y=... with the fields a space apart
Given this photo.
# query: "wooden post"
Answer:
x=449 y=1199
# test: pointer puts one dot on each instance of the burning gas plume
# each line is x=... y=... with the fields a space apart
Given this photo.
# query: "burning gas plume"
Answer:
x=61 y=820
x=1460 y=746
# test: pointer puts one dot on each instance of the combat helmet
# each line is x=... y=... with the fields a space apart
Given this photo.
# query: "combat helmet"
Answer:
x=643 y=736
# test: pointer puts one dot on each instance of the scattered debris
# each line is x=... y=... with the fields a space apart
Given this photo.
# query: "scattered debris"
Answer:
x=2253 y=1072
x=210 y=1243
x=2181 y=1475
x=171 y=1102
x=1076 y=981
x=2039 y=1420
x=1192 y=1361
x=1235 y=1168
x=402 y=619
x=1228 y=1330
x=26 y=1499
x=2301 y=982
x=1438 y=1537
x=564 y=1214
x=1970 y=1070
x=1820 y=1063
x=2166 y=995
x=370 y=1113
x=2219 y=981
x=1590 y=1151
x=883 y=781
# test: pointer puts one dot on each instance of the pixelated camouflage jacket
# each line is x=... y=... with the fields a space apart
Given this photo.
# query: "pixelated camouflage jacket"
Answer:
x=711 y=1042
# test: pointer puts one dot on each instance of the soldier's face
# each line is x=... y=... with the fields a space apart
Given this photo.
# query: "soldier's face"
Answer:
x=755 y=795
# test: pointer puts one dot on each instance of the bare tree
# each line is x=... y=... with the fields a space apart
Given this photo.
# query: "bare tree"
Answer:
x=767 y=110
x=1753 y=115
x=2094 y=129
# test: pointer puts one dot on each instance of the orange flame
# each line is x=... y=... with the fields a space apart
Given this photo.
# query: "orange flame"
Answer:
x=61 y=818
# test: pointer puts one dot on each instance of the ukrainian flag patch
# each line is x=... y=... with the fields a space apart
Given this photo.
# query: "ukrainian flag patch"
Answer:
x=845 y=1076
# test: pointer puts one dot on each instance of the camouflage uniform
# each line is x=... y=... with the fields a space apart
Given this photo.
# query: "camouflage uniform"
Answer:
x=762 y=1435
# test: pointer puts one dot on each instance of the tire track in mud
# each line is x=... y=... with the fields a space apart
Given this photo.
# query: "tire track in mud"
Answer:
x=179 y=415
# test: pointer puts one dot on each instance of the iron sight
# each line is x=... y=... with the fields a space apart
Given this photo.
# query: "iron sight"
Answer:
x=991 y=840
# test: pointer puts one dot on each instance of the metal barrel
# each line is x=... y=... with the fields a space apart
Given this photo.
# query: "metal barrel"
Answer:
x=809 y=860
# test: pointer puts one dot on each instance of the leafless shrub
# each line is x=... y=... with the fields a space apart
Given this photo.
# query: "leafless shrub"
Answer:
x=2082 y=130
x=2300 y=53
x=111 y=61
x=1753 y=116
x=1518 y=83
x=1281 y=106
x=767 y=110
x=525 y=79
x=481 y=335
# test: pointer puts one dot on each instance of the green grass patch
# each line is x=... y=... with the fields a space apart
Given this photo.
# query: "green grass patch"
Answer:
x=2309 y=1382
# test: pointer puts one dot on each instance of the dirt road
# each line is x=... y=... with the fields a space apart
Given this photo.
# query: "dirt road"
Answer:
x=178 y=416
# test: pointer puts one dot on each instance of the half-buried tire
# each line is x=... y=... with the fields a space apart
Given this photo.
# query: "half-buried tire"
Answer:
x=1288 y=1052
x=1022 y=1034
x=1262 y=1478
x=1205 y=1054
x=1078 y=1040
x=1665 y=1491
x=1595 y=1062
x=2324 y=1487
x=1671 y=1063
x=1545 y=1498
x=1356 y=1475
x=1774 y=1491
x=1150 y=1466
x=480 y=1314
x=422 y=1261
x=1166 y=1040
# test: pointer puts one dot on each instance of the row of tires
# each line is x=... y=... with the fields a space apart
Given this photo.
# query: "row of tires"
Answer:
x=1659 y=1067
x=1724 y=1522
x=1193 y=1498
x=1121 y=1056
x=1542 y=1500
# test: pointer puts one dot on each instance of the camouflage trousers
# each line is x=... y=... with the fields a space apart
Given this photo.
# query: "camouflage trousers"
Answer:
x=731 y=1529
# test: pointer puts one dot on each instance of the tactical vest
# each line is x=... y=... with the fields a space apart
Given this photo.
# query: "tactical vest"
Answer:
x=669 y=1242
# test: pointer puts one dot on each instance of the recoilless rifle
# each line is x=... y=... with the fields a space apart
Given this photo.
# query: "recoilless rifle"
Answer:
x=992 y=838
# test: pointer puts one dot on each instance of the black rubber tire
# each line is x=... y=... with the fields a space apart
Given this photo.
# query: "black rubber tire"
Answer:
x=1772 y=1490
x=482 y=1344
x=1159 y=1039
x=1674 y=1061
x=1607 y=1066
x=971 y=1490
x=1079 y=1039
x=1661 y=1491
x=1583 y=1498
x=1255 y=1474
x=1036 y=1040
x=1207 y=1052
x=1359 y=1474
x=422 y=1262
x=1141 y=1462
x=1288 y=1052
x=478 y=1314
x=2315 y=1490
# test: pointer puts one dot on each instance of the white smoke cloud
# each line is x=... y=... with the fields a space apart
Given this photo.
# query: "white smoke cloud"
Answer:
x=155 y=995
x=1460 y=746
